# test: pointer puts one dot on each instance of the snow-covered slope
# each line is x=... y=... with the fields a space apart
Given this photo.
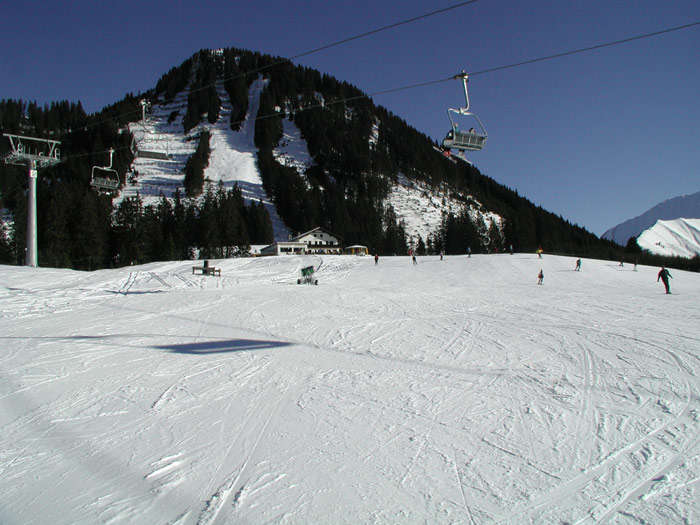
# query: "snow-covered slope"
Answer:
x=686 y=206
x=232 y=159
x=453 y=391
x=680 y=237
x=422 y=210
x=292 y=150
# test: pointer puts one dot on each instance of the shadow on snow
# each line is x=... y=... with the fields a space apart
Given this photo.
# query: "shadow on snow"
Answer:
x=215 y=347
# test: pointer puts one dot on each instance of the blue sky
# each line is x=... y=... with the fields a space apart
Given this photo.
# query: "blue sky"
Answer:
x=598 y=137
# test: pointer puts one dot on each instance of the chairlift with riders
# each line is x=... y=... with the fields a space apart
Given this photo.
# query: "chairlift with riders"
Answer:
x=456 y=142
x=105 y=178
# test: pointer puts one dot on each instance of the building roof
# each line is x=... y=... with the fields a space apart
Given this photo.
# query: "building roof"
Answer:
x=315 y=230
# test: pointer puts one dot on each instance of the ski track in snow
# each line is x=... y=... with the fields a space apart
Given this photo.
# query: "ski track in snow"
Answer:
x=453 y=391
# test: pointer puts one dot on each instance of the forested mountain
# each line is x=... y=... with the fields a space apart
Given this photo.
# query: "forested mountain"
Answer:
x=213 y=110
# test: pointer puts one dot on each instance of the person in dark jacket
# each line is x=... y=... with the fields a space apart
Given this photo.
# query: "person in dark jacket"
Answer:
x=664 y=275
x=540 y=277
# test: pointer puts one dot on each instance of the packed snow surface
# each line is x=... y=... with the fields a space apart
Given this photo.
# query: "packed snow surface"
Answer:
x=679 y=237
x=455 y=391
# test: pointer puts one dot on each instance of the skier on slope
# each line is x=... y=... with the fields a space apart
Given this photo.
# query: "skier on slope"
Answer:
x=664 y=275
x=540 y=277
x=578 y=265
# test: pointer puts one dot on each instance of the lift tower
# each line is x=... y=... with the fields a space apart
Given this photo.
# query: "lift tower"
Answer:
x=35 y=154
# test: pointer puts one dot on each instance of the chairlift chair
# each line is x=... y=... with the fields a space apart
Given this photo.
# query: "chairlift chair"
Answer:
x=456 y=139
x=154 y=155
x=106 y=179
x=146 y=154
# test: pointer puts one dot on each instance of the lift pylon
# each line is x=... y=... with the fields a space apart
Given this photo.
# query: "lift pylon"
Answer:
x=34 y=153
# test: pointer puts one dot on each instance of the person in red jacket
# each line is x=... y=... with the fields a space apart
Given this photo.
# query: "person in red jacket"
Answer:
x=664 y=275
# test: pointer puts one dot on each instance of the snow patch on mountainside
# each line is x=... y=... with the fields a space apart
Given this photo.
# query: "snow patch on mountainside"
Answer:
x=679 y=237
x=422 y=208
x=292 y=150
x=233 y=158
x=374 y=134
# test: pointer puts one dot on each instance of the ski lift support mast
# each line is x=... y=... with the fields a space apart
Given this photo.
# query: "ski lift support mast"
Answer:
x=35 y=153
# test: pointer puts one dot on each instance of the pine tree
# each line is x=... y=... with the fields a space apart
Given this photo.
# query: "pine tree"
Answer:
x=194 y=168
x=57 y=236
x=128 y=233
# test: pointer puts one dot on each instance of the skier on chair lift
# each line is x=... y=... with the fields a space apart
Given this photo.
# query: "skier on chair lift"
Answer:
x=457 y=142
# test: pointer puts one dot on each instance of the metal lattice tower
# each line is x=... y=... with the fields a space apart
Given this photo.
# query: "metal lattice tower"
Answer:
x=35 y=154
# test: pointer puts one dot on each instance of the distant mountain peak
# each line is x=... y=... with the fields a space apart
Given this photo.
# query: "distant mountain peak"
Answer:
x=674 y=238
x=685 y=206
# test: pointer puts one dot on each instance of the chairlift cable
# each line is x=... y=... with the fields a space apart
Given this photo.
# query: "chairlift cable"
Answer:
x=538 y=59
x=321 y=48
x=585 y=49
x=481 y=72
x=451 y=77
x=384 y=28
x=490 y=70
x=343 y=41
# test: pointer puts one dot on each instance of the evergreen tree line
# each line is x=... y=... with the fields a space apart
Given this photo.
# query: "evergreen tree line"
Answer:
x=203 y=98
x=218 y=225
x=237 y=83
x=174 y=81
x=41 y=121
x=195 y=165
x=76 y=229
